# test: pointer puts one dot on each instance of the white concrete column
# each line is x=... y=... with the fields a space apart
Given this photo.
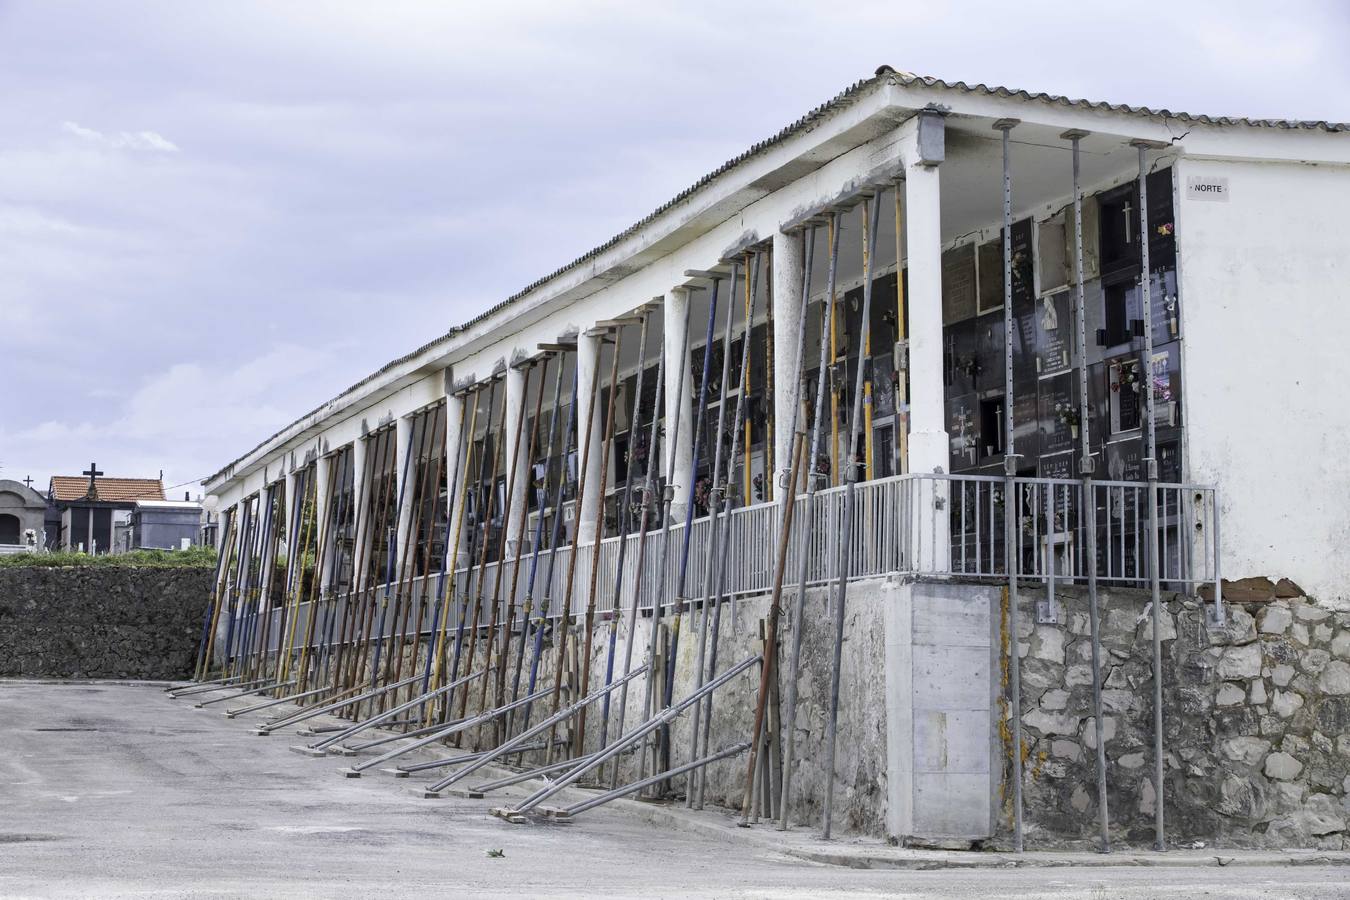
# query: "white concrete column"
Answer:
x=322 y=471
x=517 y=447
x=928 y=447
x=679 y=397
x=588 y=417
x=454 y=468
x=405 y=475
x=361 y=514
x=220 y=526
x=785 y=318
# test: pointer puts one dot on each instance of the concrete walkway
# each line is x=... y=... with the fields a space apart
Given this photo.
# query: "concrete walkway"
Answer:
x=119 y=790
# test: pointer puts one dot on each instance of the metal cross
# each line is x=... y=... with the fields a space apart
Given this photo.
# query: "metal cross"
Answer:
x=1126 y=212
x=93 y=473
x=28 y=481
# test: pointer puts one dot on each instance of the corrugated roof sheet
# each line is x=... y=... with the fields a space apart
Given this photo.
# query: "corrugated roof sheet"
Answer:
x=110 y=490
x=839 y=101
x=909 y=78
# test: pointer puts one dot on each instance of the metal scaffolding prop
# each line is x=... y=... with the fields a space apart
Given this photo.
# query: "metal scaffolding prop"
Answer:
x=661 y=720
x=479 y=542
x=509 y=624
x=813 y=482
x=625 y=520
x=347 y=648
x=655 y=680
x=441 y=733
x=316 y=652
x=566 y=619
x=512 y=476
x=375 y=721
x=588 y=624
x=456 y=504
x=391 y=549
x=719 y=500
x=661 y=747
x=302 y=535
x=871 y=211
x=768 y=683
x=423 y=426
x=649 y=499
x=555 y=539
x=1010 y=495
x=315 y=711
x=213 y=611
x=1151 y=461
x=433 y=733
x=373 y=617
x=387 y=501
x=1087 y=465
x=519 y=742
x=439 y=616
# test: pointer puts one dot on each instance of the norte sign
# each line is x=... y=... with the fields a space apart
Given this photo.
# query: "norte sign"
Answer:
x=1207 y=187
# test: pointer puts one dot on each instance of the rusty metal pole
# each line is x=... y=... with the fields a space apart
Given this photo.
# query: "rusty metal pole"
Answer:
x=767 y=673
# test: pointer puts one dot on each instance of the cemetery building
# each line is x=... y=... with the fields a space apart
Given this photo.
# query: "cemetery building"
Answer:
x=165 y=524
x=21 y=515
x=94 y=507
x=864 y=246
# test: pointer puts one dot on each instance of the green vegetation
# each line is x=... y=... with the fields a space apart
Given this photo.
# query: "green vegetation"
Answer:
x=193 y=558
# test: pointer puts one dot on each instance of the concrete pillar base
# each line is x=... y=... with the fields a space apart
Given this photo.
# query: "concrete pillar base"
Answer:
x=942 y=751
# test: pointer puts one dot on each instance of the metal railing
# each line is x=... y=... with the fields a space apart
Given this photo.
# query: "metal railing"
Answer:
x=923 y=525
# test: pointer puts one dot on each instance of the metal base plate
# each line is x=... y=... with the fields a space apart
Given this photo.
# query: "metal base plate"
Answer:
x=464 y=793
x=307 y=751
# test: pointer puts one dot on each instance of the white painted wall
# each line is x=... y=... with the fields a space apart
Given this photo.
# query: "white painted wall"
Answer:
x=1265 y=288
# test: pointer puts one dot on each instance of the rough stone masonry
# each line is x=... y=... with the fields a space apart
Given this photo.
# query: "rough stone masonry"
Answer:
x=1257 y=721
x=101 y=621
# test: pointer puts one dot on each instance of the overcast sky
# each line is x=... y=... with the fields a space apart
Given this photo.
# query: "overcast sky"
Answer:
x=215 y=216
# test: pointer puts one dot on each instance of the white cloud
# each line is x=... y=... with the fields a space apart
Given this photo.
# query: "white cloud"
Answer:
x=123 y=140
x=185 y=419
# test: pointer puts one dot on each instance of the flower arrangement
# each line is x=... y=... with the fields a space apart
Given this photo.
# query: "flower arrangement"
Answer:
x=1068 y=416
x=1129 y=377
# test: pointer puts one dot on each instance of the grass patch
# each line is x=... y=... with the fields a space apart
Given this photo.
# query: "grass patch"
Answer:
x=192 y=558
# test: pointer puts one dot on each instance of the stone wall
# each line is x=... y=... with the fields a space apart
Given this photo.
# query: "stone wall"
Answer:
x=1256 y=722
x=101 y=621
